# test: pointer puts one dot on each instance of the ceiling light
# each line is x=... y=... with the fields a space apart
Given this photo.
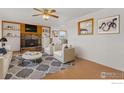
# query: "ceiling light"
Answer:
x=45 y=16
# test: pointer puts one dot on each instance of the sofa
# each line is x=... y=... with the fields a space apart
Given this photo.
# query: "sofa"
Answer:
x=4 y=63
x=64 y=54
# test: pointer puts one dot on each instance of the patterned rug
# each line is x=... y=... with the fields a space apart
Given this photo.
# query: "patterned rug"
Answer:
x=37 y=69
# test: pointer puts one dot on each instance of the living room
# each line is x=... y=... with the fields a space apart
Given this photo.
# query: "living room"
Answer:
x=67 y=44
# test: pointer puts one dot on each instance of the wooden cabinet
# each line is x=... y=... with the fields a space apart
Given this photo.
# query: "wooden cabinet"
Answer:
x=39 y=30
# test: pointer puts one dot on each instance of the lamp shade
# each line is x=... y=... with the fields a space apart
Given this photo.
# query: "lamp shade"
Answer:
x=3 y=39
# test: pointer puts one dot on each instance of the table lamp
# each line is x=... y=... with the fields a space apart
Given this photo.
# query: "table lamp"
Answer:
x=3 y=40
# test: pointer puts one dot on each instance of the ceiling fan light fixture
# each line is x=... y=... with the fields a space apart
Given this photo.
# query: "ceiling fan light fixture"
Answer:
x=46 y=13
x=45 y=17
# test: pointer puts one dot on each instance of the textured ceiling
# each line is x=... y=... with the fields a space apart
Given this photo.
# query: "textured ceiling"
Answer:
x=24 y=15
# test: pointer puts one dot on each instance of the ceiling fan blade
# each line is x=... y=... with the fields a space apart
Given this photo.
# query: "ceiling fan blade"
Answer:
x=36 y=15
x=53 y=11
x=37 y=9
x=53 y=15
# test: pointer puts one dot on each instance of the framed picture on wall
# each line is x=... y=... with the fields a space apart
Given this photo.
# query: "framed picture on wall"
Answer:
x=109 y=25
x=46 y=31
x=86 y=27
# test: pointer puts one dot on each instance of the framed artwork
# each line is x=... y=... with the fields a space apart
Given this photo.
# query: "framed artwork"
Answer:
x=86 y=27
x=109 y=25
x=46 y=31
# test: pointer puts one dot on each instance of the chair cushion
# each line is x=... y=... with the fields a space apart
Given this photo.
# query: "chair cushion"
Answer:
x=47 y=48
x=58 y=53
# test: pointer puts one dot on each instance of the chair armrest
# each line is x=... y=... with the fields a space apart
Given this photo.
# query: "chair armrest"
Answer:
x=57 y=47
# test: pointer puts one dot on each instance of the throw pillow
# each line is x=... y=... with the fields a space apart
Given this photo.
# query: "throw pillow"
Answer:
x=3 y=51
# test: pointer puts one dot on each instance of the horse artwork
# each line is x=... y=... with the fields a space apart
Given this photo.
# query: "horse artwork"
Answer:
x=109 y=25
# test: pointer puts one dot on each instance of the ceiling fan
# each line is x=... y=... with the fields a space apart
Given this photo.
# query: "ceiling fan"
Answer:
x=46 y=13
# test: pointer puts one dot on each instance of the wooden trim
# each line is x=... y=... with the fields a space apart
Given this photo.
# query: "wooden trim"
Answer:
x=24 y=23
x=2 y=28
x=11 y=22
x=78 y=28
x=39 y=30
x=46 y=26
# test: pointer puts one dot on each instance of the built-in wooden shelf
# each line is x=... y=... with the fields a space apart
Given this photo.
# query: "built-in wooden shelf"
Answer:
x=9 y=27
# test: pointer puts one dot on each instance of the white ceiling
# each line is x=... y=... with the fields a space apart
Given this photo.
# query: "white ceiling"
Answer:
x=24 y=15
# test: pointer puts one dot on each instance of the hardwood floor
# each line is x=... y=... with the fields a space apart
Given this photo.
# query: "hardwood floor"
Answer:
x=84 y=69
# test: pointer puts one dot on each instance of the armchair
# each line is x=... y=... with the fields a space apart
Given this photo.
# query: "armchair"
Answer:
x=49 y=49
x=64 y=54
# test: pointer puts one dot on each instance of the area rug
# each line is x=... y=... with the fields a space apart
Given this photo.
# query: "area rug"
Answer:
x=27 y=69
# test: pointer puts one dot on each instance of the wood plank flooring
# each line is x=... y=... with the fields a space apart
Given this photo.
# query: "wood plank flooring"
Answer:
x=84 y=69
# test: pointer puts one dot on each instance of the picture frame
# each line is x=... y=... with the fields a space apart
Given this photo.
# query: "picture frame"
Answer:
x=109 y=25
x=86 y=27
x=46 y=31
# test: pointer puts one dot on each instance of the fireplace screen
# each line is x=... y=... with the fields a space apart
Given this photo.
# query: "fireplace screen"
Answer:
x=31 y=42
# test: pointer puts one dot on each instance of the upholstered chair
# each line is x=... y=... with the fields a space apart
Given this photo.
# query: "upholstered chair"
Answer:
x=64 y=53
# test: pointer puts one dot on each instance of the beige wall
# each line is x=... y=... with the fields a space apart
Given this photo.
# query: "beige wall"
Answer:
x=107 y=49
x=0 y=30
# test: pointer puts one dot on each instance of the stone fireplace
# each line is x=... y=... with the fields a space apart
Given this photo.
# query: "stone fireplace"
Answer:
x=30 y=41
